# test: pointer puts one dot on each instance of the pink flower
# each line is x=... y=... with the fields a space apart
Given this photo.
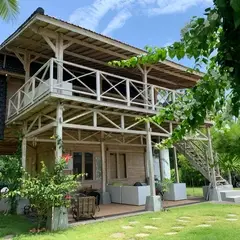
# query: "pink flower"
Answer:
x=67 y=157
x=68 y=197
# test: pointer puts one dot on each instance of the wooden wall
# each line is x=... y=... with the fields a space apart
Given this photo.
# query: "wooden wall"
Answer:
x=135 y=158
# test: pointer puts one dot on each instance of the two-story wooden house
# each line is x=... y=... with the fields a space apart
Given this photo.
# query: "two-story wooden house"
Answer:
x=55 y=81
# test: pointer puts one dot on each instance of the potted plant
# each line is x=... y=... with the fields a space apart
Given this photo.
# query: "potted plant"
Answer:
x=49 y=194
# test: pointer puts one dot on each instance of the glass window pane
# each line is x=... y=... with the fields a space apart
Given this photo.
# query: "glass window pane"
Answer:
x=113 y=165
x=89 y=166
x=122 y=165
x=77 y=163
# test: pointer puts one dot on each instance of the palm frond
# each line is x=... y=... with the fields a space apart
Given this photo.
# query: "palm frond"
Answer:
x=8 y=9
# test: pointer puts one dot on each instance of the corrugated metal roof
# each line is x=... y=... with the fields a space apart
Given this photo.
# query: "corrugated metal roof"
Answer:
x=95 y=46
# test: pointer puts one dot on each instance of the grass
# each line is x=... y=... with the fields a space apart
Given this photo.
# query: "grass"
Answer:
x=194 y=191
x=13 y=225
x=200 y=214
x=197 y=191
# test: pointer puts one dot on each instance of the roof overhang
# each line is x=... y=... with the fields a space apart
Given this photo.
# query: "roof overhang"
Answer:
x=91 y=49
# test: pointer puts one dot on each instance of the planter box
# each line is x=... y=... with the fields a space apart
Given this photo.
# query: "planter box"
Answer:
x=135 y=195
x=5 y=206
x=176 y=191
x=57 y=218
x=115 y=193
x=132 y=195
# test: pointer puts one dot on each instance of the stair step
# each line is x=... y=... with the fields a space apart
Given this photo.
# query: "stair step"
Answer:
x=235 y=199
x=230 y=193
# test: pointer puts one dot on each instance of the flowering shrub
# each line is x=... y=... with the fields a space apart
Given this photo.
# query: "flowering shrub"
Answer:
x=48 y=189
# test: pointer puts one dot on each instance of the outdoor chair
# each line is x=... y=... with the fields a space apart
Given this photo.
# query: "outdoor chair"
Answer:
x=84 y=207
x=97 y=199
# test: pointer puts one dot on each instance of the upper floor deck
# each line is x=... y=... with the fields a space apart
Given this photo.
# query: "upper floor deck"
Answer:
x=88 y=86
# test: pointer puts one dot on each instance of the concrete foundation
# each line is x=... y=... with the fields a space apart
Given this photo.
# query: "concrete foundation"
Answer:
x=153 y=203
x=213 y=194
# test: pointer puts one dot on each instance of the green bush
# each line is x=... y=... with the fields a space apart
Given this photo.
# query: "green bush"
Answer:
x=10 y=176
x=46 y=190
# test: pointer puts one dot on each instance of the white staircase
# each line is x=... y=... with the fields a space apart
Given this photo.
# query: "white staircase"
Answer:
x=197 y=154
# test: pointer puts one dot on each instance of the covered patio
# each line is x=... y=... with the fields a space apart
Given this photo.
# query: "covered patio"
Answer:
x=114 y=209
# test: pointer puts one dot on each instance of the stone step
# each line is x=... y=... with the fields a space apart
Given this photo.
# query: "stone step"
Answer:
x=229 y=193
x=235 y=199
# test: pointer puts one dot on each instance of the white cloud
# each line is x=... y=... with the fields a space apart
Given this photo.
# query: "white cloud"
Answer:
x=117 y=22
x=174 y=6
x=90 y=16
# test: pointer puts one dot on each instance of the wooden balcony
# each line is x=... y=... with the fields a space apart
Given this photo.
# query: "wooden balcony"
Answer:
x=66 y=81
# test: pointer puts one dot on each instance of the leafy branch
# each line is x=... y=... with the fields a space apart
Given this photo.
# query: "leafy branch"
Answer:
x=212 y=41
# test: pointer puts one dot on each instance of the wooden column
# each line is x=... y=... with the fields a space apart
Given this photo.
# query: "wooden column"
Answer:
x=59 y=56
x=176 y=164
x=27 y=62
x=145 y=72
x=24 y=146
x=59 y=131
x=211 y=157
x=150 y=160
x=103 y=157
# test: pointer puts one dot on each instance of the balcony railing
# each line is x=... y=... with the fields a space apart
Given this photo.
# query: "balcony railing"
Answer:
x=84 y=82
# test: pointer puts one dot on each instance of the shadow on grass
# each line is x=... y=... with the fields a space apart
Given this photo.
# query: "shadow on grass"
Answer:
x=14 y=225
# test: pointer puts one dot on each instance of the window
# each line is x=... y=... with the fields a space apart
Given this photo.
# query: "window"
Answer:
x=117 y=166
x=122 y=166
x=88 y=166
x=77 y=163
x=113 y=165
x=83 y=163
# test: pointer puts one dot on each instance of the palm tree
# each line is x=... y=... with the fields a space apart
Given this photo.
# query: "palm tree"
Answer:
x=8 y=9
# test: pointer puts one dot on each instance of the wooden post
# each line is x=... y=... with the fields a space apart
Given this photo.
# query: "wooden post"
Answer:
x=24 y=146
x=150 y=160
x=128 y=95
x=153 y=97
x=145 y=72
x=98 y=85
x=103 y=162
x=51 y=75
x=214 y=183
x=59 y=55
x=27 y=62
x=176 y=164
x=59 y=131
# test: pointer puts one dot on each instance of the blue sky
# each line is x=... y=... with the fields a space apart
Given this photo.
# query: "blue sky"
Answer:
x=137 y=22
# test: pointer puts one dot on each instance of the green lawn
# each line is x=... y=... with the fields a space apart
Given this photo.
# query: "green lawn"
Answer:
x=197 y=191
x=194 y=191
x=13 y=225
x=199 y=214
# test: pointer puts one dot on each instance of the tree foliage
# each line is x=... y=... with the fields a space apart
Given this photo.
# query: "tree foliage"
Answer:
x=8 y=9
x=188 y=174
x=226 y=144
x=50 y=188
x=212 y=41
x=11 y=174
